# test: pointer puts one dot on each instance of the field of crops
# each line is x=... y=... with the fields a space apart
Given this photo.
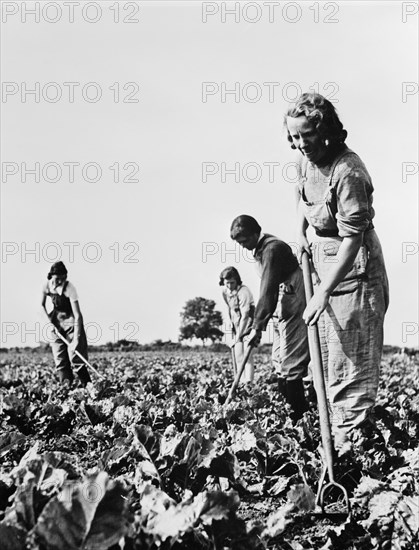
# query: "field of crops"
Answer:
x=148 y=459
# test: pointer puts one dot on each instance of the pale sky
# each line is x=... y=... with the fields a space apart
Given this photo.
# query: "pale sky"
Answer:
x=142 y=248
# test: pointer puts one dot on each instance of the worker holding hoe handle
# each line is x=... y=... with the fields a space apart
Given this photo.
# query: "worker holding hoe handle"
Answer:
x=241 y=309
x=281 y=298
x=351 y=296
x=68 y=322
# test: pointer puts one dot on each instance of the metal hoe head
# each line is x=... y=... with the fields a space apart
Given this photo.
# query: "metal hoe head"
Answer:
x=339 y=491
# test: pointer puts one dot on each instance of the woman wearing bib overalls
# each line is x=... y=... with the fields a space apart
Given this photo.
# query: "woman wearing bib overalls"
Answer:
x=68 y=321
x=351 y=294
x=241 y=310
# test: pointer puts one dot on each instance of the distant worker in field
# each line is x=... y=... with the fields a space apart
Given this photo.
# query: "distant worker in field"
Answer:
x=68 y=321
x=281 y=298
x=241 y=310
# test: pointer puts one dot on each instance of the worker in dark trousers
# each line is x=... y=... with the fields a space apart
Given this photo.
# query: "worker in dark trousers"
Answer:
x=68 y=321
x=282 y=298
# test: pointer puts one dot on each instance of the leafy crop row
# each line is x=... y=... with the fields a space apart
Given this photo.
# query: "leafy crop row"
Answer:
x=148 y=459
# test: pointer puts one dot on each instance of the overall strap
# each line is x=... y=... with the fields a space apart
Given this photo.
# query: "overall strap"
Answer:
x=303 y=175
x=332 y=183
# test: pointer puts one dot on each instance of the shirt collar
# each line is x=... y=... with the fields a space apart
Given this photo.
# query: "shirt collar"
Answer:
x=261 y=237
x=233 y=292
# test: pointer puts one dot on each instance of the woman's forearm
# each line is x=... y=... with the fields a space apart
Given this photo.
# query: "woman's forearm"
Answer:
x=244 y=325
x=302 y=223
x=78 y=319
x=44 y=306
x=46 y=312
x=78 y=324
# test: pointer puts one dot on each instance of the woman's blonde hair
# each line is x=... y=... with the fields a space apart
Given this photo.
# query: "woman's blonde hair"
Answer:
x=322 y=114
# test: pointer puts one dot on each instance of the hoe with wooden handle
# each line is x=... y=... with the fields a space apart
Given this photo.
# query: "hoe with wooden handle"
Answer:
x=238 y=376
x=85 y=361
x=319 y=385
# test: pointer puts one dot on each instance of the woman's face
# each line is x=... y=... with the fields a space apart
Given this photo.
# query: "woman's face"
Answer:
x=306 y=138
x=231 y=284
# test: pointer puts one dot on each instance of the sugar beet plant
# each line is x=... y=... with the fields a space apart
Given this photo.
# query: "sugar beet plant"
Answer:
x=149 y=459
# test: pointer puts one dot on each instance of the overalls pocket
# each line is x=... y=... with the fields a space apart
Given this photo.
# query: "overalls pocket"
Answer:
x=357 y=273
x=291 y=298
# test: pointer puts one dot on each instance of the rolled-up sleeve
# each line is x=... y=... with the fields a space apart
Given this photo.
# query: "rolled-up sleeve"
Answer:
x=353 y=198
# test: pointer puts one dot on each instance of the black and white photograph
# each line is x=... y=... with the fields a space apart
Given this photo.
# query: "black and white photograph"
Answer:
x=209 y=275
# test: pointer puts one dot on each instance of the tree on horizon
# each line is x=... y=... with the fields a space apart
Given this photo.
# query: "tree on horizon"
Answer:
x=200 y=319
